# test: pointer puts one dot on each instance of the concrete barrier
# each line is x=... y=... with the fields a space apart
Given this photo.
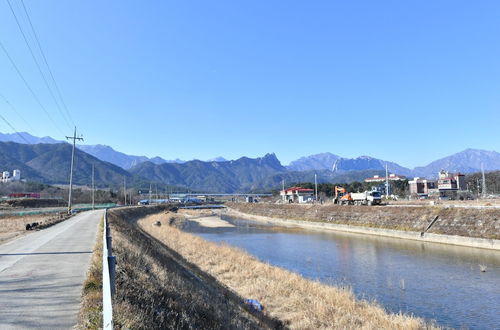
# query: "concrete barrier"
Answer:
x=483 y=243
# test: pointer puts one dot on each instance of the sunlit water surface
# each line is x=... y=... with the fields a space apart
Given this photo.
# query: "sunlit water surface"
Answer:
x=434 y=281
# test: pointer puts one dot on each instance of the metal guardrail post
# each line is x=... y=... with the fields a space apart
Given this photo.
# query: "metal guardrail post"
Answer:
x=108 y=276
x=109 y=243
x=112 y=274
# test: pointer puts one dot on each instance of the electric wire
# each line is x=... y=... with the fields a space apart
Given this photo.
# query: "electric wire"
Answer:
x=29 y=87
x=17 y=112
x=12 y=127
x=47 y=63
x=38 y=64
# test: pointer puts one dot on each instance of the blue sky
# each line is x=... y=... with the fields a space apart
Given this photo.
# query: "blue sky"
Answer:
x=406 y=81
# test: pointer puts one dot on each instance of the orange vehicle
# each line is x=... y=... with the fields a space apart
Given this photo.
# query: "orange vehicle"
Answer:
x=342 y=197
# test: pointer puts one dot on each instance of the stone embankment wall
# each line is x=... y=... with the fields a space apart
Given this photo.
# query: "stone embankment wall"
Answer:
x=476 y=223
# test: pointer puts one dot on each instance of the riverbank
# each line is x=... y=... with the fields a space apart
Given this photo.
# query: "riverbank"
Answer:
x=156 y=288
x=456 y=226
x=299 y=303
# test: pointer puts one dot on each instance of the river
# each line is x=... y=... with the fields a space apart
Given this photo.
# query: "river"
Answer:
x=433 y=281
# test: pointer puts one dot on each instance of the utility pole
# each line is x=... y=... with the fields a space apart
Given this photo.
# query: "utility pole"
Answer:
x=93 y=188
x=483 y=191
x=316 y=187
x=150 y=194
x=74 y=138
x=386 y=182
x=125 y=191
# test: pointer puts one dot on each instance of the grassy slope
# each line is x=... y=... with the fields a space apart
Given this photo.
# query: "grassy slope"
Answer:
x=300 y=303
x=156 y=289
x=90 y=316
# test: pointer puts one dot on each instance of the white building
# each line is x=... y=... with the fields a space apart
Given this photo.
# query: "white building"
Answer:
x=16 y=176
x=297 y=195
x=391 y=177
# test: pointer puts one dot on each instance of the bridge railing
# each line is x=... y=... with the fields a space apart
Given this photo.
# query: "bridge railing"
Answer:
x=108 y=276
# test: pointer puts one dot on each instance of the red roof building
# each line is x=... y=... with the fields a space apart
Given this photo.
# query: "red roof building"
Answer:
x=297 y=195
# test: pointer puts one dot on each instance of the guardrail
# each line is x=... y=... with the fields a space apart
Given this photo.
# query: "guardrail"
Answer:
x=108 y=276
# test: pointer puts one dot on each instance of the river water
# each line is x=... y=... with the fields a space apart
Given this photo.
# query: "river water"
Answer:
x=433 y=281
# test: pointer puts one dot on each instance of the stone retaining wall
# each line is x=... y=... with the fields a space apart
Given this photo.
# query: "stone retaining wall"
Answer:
x=477 y=223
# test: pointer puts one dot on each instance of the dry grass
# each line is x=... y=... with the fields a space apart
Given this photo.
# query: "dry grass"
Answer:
x=18 y=223
x=13 y=226
x=90 y=316
x=300 y=303
x=157 y=289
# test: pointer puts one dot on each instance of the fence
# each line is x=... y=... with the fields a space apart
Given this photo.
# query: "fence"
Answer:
x=108 y=276
x=77 y=208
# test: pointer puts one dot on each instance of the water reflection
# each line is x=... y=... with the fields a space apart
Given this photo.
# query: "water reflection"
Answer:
x=434 y=281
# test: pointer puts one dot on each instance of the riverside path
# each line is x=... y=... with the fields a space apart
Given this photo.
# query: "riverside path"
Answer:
x=42 y=274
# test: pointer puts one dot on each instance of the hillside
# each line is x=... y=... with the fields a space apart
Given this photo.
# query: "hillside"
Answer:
x=243 y=174
x=467 y=161
x=112 y=156
x=50 y=163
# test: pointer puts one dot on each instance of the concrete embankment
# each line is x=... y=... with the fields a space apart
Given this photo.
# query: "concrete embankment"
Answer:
x=457 y=226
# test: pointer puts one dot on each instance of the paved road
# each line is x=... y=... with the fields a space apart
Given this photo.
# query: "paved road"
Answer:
x=41 y=274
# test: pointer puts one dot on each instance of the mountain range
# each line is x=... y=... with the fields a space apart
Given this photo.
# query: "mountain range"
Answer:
x=100 y=151
x=467 y=161
x=49 y=162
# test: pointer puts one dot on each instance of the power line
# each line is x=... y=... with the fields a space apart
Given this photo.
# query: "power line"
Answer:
x=17 y=112
x=12 y=127
x=38 y=64
x=46 y=63
x=29 y=87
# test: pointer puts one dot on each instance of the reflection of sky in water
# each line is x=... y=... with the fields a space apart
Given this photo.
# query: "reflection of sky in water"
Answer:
x=434 y=281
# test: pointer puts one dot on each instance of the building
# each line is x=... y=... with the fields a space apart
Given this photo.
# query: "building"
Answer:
x=16 y=176
x=419 y=186
x=392 y=177
x=447 y=185
x=451 y=182
x=24 y=195
x=297 y=195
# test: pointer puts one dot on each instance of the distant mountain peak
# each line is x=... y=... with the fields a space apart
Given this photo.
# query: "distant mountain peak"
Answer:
x=25 y=137
x=271 y=160
x=217 y=159
x=321 y=161
x=466 y=161
x=270 y=155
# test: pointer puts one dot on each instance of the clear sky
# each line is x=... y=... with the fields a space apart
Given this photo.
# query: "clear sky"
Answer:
x=406 y=81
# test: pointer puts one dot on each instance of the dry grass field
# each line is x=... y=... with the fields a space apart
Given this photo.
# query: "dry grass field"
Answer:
x=298 y=302
x=157 y=289
x=13 y=226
